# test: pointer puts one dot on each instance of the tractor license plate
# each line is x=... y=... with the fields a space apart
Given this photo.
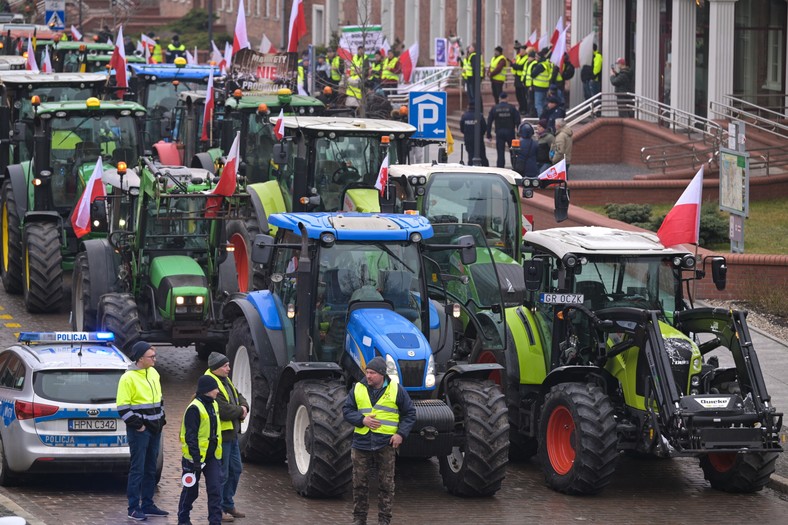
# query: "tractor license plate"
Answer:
x=561 y=298
x=77 y=425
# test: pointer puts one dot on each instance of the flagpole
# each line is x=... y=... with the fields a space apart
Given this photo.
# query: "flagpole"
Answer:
x=210 y=19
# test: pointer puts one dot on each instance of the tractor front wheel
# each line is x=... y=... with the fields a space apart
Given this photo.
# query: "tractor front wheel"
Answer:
x=43 y=282
x=117 y=313
x=318 y=439
x=10 y=241
x=477 y=467
x=734 y=472
x=577 y=439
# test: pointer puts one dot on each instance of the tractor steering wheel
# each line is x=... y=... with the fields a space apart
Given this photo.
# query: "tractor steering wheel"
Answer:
x=345 y=175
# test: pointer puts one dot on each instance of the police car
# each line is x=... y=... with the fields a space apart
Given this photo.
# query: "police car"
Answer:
x=57 y=400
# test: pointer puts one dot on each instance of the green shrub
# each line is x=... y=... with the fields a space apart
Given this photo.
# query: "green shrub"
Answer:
x=713 y=224
x=629 y=213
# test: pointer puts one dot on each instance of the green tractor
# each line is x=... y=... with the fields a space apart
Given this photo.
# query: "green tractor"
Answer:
x=39 y=194
x=158 y=274
x=619 y=359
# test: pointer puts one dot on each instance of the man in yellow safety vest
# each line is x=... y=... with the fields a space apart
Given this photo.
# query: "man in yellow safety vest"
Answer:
x=497 y=72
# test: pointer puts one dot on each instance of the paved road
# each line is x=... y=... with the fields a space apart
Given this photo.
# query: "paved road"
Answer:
x=643 y=491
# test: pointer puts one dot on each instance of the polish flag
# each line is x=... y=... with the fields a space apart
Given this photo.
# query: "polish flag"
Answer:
x=75 y=34
x=383 y=175
x=31 y=65
x=240 y=38
x=190 y=58
x=409 y=59
x=266 y=47
x=207 y=115
x=557 y=172
x=226 y=185
x=682 y=224
x=46 y=63
x=279 y=127
x=559 y=28
x=533 y=40
x=118 y=63
x=216 y=55
x=80 y=218
x=343 y=50
x=559 y=48
x=582 y=53
x=148 y=41
x=543 y=42
x=148 y=57
x=297 y=26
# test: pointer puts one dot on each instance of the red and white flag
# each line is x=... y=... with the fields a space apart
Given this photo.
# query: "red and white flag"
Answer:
x=582 y=53
x=266 y=47
x=409 y=59
x=46 y=63
x=148 y=41
x=343 y=50
x=80 y=218
x=228 y=58
x=240 y=38
x=207 y=115
x=226 y=185
x=533 y=40
x=216 y=55
x=31 y=65
x=383 y=175
x=544 y=42
x=75 y=34
x=682 y=224
x=559 y=28
x=559 y=48
x=297 y=26
x=279 y=127
x=190 y=58
x=118 y=63
x=556 y=172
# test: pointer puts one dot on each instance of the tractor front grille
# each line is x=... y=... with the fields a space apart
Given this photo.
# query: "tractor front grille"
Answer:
x=412 y=372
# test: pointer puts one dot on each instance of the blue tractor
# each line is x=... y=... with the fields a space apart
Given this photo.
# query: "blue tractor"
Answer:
x=344 y=288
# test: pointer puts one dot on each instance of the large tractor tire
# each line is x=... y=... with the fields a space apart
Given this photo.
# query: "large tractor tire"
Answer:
x=83 y=314
x=477 y=467
x=577 y=439
x=248 y=378
x=318 y=439
x=43 y=282
x=10 y=241
x=117 y=313
x=241 y=233
x=733 y=472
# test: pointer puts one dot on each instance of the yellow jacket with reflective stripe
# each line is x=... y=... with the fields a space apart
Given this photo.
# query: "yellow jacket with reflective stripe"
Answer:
x=336 y=69
x=226 y=425
x=385 y=410
x=522 y=62
x=500 y=77
x=529 y=79
x=204 y=434
x=358 y=66
x=543 y=79
x=139 y=398
x=389 y=65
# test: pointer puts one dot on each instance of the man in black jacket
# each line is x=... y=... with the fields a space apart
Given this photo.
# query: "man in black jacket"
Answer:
x=467 y=126
x=506 y=119
x=623 y=82
x=383 y=415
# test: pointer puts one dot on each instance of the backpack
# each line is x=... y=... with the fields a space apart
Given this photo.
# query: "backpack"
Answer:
x=586 y=73
x=569 y=70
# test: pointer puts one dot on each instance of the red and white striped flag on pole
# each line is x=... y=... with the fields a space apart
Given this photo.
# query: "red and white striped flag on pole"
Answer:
x=226 y=185
x=383 y=175
x=46 y=63
x=80 y=218
x=279 y=127
x=559 y=48
x=207 y=116
x=266 y=47
x=409 y=59
x=556 y=172
x=240 y=37
x=297 y=26
x=559 y=28
x=533 y=40
x=75 y=34
x=682 y=223
x=118 y=63
x=31 y=65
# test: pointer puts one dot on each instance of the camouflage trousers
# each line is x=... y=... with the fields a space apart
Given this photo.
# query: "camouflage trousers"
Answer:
x=363 y=462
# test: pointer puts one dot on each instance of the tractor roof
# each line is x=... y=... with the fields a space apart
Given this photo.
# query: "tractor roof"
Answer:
x=596 y=240
x=431 y=169
x=81 y=105
x=71 y=45
x=26 y=77
x=9 y=61
x=347 y=124
x=106 y=58
x=355 y=226
x=272 y=100
x=169 y=72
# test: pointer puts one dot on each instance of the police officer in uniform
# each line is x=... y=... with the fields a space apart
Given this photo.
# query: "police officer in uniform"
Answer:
x=383 y=414
x=506 y=119
x=467 y=126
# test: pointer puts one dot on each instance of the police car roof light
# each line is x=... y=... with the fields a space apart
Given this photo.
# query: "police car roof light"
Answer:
x=66 y=337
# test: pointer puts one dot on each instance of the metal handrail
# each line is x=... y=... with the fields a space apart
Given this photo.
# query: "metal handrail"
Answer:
x=664 y=159
x=756 y=120
x=424 y=79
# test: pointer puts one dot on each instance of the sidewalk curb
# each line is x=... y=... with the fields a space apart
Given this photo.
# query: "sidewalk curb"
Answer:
x=778 y=484
x=6 y=502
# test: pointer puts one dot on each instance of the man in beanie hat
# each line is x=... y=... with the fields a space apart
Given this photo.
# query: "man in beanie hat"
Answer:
x=141 y=407
x=201 y=445
x=383 y=415
x=233 y=409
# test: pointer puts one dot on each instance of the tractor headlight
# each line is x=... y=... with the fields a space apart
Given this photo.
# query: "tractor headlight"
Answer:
x=429 y=381
x=391 y=369
x=179 y=300
x=695 y=381
x=200 y=299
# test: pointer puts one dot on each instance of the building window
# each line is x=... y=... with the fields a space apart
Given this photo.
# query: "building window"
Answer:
x=230 y=8
x=774 y=60
x=319 y=25
x=388 y=17
x=257 y=8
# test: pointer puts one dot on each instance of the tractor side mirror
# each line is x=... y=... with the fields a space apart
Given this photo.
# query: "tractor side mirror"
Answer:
x=262 y=249
x=467 y=249
x=561 y=203
x=443 y=156
x=98 y=216
x=533 y=270
x=719 y=272
x=281 y=153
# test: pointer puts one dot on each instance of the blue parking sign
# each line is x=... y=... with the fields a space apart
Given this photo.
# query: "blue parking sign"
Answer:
x=427 y=113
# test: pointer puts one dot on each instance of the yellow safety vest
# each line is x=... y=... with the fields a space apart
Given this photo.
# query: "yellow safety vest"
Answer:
x=226 y=425
x=597 y=65
x=157 y=54
x=467 y=70
x=389 y=64
x=529 y=79
x=521 y=60
x=385 y=410
x=203 y=435
x=542 y=80
x=336 y=73
x=358 y=66
x=500 y=77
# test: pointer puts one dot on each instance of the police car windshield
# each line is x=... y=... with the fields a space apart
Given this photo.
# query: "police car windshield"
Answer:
x=77 y=385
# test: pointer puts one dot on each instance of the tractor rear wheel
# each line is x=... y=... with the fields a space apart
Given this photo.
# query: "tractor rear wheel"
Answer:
x=734 y=472
x=10 y=241
x=477 y=467
x=118 y=313
x=83 y=314
x=241 y=233
x=318 y=439
x=43 y=271
x=248 y=378
x=577 y=439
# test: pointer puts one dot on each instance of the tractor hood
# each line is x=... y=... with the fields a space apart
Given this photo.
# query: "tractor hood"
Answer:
x=131 y=179
x=178 y=276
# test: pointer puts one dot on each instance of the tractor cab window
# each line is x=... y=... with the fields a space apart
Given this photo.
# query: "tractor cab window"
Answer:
x=636 y=282
x=284 y=286
x=177 y=223
x=470 y=199
x=259 y=148
x=54 y=94
x=161 y=101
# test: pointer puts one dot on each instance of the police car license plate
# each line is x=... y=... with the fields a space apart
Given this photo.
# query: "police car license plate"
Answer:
x=561 y=298
x=78 y=425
